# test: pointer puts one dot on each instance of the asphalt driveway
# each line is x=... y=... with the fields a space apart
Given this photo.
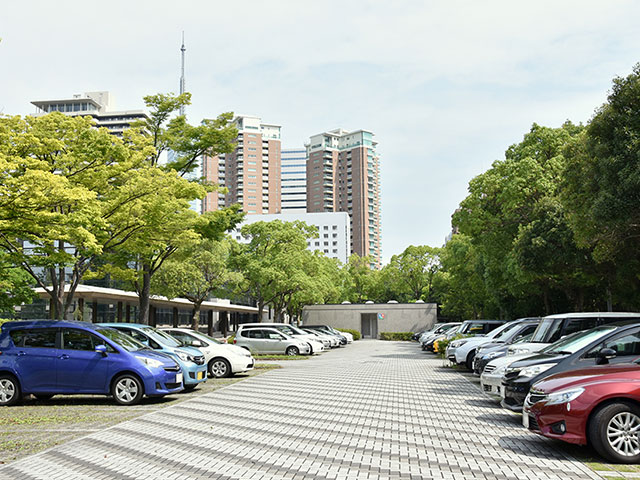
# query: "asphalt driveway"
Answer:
x=372 y=410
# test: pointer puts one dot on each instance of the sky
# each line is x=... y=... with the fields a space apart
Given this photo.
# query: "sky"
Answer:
x=446 y=86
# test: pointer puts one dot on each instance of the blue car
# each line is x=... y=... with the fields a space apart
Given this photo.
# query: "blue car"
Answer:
x=45 y=357
x=190 y=359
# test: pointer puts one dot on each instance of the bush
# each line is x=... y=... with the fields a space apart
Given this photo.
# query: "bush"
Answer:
x=397 y=336
x=355 y=333
x=444 y=343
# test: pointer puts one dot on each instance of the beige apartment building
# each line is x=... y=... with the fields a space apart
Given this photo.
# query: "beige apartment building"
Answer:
x=343 y=175
x=251 y=173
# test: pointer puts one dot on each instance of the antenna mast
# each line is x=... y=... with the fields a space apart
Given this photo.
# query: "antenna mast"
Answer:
x=182 y=49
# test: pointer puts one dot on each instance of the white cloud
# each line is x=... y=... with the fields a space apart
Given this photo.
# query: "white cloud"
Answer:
x=446 y=86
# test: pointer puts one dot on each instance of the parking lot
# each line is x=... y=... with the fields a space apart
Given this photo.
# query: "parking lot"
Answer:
x=371 y=410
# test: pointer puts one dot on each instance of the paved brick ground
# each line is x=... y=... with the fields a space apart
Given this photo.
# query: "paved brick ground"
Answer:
x=373 y=410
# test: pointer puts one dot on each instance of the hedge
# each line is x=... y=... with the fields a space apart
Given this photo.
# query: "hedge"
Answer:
x=398 y=336
x=355 y=333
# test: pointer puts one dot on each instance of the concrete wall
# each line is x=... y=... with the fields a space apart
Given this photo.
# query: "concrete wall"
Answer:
x=398 y=317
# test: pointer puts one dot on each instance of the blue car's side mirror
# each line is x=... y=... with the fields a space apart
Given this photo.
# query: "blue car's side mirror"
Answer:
x=101 y=349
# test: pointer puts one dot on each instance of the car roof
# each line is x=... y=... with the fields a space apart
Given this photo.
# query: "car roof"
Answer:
x=121 y=324
x=47 y=323
x=485 y=321
x=594 y=314
x=270 y=324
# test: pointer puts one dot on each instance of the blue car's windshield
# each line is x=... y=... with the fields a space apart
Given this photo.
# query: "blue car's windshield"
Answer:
x=125 y=341
x=161 y=337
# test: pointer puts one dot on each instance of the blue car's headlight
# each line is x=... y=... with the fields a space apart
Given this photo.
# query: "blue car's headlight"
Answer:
x=185 y=357
x=149 y=362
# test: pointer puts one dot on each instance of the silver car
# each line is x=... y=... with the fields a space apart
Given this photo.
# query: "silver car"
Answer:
x=270 y=341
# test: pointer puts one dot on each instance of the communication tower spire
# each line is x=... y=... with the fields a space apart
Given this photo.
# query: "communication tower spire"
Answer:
x=182 y=89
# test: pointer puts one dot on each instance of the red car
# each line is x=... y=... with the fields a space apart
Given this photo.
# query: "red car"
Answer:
x=599 y=406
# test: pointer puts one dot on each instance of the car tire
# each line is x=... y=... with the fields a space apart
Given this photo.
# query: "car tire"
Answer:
x=292 y=351
x=43 y=396
x=219 y=368
x=127 y=389
x=10 y=392
x=611 y=432
x=469 y=361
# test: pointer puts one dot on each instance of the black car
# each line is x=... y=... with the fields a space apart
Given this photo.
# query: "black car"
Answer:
x=498 y=348
x=613 y=343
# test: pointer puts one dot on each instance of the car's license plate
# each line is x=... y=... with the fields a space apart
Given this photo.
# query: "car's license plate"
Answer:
x=525 y=419
x=200 y=375
x=179 y=378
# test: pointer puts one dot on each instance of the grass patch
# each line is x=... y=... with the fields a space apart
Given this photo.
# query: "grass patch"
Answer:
x=627 y=468
x=599 y=467
x=266 y=366
x=280 y=357
x=40 y=419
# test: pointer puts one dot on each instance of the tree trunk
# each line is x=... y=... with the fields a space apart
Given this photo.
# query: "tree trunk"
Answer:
x=195 y=319
x=144 y=294
x=260 y=309
x=545 y=296
x=609 y=300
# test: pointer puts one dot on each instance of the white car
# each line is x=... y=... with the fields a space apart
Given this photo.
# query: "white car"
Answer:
x=223 y=360
x=329 y=341
x=271 y=341
x=491 y=378
x=464 y=349
x=315 y=344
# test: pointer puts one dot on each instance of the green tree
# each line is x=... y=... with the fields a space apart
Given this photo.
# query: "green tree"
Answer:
x=601 y=189
x=174 y=134
x=460 y=282
x=413 y=272
x=170 y=222
x=360 y=279
x=504 y=200
x=196 y=273
x=15 y=284
x=66 y=189
x=273 y=261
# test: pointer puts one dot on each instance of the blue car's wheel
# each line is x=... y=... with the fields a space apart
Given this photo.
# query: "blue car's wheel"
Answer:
x=9 y=390
x=127 y=389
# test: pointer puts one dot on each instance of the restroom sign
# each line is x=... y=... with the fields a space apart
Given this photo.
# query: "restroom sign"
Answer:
x=381 y=316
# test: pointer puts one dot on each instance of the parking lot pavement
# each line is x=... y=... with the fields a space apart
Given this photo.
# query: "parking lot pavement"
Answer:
x=372 y=410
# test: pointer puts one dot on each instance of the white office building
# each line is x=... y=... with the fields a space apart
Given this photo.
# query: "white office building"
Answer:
x=294 y=180
x=334 y=235
x=98 y=105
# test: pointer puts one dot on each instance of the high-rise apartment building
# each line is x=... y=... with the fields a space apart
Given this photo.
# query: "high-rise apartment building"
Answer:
x=251 y=173
x=294 y=180
x=95 y=104
x=343 y=175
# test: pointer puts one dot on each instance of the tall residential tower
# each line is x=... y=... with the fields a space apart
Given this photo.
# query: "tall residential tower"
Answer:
x=251 y=173
x=343 y=175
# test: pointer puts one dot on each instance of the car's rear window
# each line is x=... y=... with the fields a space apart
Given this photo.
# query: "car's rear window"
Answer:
x=40 y=338
x=17 y=336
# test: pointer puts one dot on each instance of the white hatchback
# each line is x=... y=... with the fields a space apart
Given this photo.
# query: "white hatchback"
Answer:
x=315 y=344
x=223 y=360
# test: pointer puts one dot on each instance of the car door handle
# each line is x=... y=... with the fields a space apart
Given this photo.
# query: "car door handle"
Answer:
x=64 y=356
